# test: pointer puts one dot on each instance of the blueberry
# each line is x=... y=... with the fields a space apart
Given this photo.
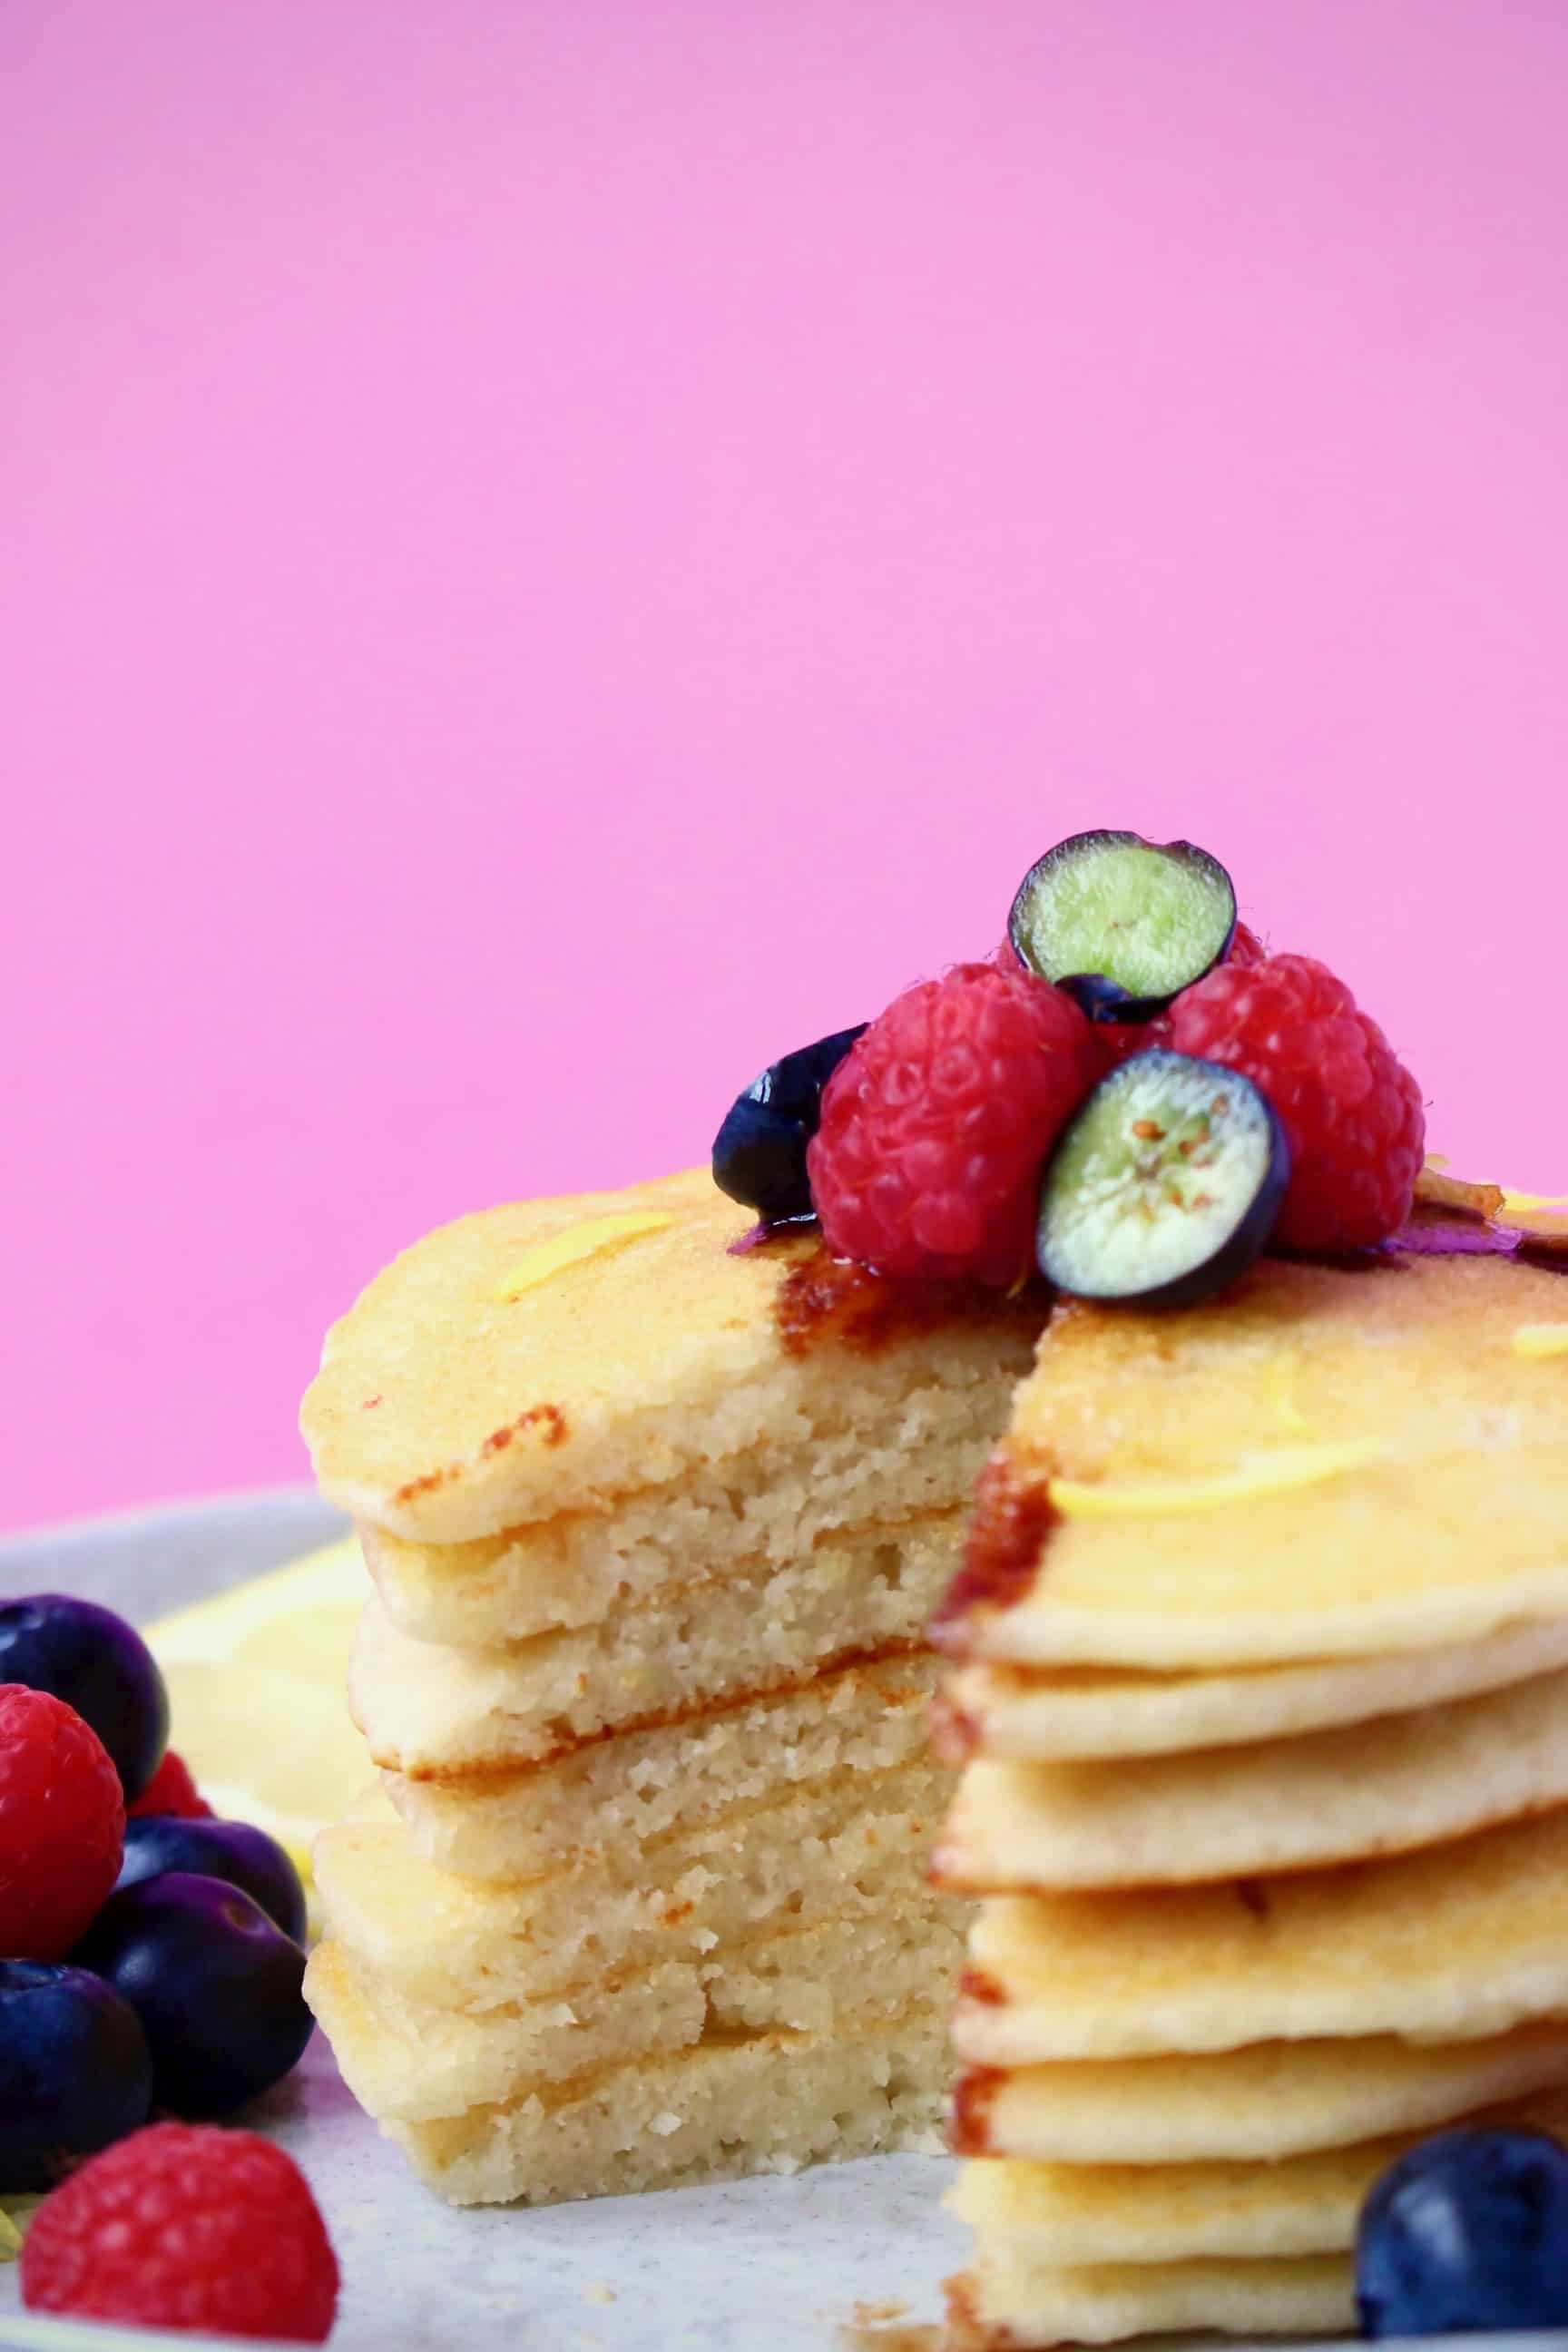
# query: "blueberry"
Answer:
x=759 y=1153
x=216 y=1985
x=1468 y=2231
x=1164 y=1185
x=75 y=2073
x=1122 y=923
x=96 y=1664
x=233 y=1851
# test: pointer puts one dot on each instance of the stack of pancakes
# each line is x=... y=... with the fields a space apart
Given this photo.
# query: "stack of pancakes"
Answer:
x=655 y=1528
x=1264 y=1699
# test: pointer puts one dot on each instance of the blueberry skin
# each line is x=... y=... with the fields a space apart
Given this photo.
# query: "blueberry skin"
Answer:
x=75 y=2072
x=759 y=1153
x=1466 y=2232
x=235 y=1852
x=216 y=1985
x=96 y=1664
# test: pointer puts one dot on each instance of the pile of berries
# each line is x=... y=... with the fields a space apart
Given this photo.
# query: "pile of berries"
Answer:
x=151 y=1957
x=1131 y=1095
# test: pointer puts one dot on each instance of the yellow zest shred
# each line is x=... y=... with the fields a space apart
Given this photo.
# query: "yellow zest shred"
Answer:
x=1515 y=1203
x=590 y=1239
x=1282 y=1371
x=1541 y=1339
x=1258 y=1474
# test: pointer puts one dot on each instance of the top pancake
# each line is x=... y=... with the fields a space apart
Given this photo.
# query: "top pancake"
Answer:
x=445 y=1410
x=1323 y=1461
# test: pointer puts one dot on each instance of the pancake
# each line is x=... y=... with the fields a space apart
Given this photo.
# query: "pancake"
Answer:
x=1347 y=1794
x=1010 y=2299
x=578 y=1567
x=1032 y=1713
x=845 y=1846
x=432 y=1711
x=758 y=2102
x=448 y=1409
x=408 y=2060
x=1268 y=2101
x=1074 y=2214
x=640 y=1784
x=1321 y=1462
x=1454 y=1942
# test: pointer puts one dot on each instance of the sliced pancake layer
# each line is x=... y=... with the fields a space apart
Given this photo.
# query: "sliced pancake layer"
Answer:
x=434 y=1712
x=1263 y=2102
x=1347 y=1794
x=845 y=1846
x=409 y=2060
x=1454 y=1943
x=1009 y=2299
x=1074 y=2214
x=1026 y=1715
x=1321 y=1463
x=610 y=1795
x=756 y=2103
x=464 y=1397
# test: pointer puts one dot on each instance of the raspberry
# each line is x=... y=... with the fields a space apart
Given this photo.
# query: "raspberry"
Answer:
x=172 y=1791
x=62 y=1824
x=936 y=1124
x=1115 y=1040
x=1350 y=1111
x=186 y=2226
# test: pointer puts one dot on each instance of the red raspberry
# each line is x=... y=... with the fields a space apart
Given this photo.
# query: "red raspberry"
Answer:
x=1350 y=1111
x=937 y=1123
x=62 y=1824
x=183 y=2225
x=1115 y=1040
x=172 y=1791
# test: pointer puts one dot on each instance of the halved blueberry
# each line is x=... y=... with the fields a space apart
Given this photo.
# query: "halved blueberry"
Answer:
x=1122 y=923
x=759 y=1153
x=1164 y=1186
x=1467 y=2232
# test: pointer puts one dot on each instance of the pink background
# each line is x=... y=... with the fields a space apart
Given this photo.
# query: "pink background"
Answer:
x=561 y=547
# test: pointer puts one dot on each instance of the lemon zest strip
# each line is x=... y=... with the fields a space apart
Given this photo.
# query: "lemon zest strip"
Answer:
x=594 y=1236
x=1259 y=1474
x=1541 y=1339
x=1288 y=1413
x=1514 y=1202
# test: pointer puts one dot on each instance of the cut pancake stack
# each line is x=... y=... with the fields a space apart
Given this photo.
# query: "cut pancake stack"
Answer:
x=1263 y=1694
x=655 y=1528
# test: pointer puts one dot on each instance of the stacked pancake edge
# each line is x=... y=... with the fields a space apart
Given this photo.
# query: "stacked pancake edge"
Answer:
x=1261 y=1694
x=655 y=1529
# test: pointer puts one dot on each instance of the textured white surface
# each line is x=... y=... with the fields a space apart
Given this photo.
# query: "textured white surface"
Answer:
x=750 y=2266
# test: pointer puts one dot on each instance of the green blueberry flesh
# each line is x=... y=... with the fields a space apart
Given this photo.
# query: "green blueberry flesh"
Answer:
x=1148 y=919
x=1165 y=1185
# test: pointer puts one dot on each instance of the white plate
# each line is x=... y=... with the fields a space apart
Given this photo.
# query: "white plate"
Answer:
x=752 y=2267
